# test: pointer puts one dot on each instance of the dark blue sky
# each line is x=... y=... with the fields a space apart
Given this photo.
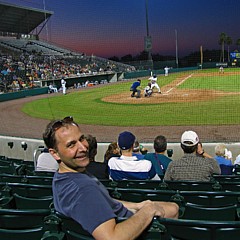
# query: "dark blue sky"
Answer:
x=117 y=27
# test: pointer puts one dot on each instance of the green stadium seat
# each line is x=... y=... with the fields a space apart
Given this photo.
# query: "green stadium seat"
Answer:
x=41 y=180
x=182 y=229
x=21 y=234
x=22 y=219
x=74 y=230
x=226 y=178
x=211 y=198
x=138 y=195
x=8 y=169
x=27 y=190
x=32 y=203
x=197 y=212
x=10 y=178
x=193 y=186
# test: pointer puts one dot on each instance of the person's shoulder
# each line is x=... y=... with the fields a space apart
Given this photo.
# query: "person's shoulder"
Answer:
x=164 y=157
x=148 y=156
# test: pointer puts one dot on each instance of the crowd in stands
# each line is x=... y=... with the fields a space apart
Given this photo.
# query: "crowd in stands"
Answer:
x=27 y=69
x=128 y=159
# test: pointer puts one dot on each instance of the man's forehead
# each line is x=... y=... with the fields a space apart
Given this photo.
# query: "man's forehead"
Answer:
x=68 y=130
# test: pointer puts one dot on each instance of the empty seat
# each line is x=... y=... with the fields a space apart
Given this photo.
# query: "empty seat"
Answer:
x=196 y=212
x=138 y=195
x=27 y=190
x=32 y=203
x=182 y=229
x=193 y=186
x=22 y=219
x=21 y=234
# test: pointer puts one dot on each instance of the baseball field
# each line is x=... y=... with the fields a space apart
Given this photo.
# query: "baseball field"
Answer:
x=201 y=97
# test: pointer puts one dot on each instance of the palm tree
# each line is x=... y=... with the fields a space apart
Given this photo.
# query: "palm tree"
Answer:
x=222 y=40
x=228 y=42
x=238 y=42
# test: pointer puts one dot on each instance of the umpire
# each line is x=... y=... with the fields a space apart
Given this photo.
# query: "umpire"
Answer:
x=134 y=89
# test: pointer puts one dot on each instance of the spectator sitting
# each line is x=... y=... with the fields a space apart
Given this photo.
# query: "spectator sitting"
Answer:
x=83 y=198
x=127 y=166
x=46 y=162
x=98 y=169
x=191 y=166
x=158 y=158
x=237 y=161
x=223 y=157
x=136 y=150
x=52 y=89
x=112 y=151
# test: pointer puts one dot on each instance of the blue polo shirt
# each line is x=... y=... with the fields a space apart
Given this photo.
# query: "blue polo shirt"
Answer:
x=135 y=85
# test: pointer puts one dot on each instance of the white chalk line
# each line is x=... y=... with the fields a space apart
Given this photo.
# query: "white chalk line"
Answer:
x=180 y=83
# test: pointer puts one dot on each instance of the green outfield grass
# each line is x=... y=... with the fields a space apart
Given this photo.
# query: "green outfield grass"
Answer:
x=87 y=106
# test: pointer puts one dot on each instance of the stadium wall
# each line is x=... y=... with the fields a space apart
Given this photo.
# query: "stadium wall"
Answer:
x=23 y=93
x=146 y=73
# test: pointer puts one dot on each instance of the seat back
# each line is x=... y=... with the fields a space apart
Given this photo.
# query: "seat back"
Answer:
x=196 y=212
x=138 y=195
x=32 y=203
x=22 y=219
x=42 y=180
x=28 y=190
x=226 y=170
x=21 y=234
x=181 y=229
x=211 y=198
x=74 y=230
x=193 y=185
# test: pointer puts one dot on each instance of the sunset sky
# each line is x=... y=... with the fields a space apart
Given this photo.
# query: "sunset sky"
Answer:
x=117 y=27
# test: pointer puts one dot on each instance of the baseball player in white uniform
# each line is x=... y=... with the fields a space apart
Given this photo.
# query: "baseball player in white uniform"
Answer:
x=166 y=69
x=63 y=82
x=153 y=80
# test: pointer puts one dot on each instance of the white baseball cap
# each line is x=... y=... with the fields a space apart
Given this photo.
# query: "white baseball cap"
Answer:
x=189 y=138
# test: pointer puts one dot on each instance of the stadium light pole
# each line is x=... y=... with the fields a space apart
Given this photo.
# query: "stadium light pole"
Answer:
x=176 y=39
x=148 y=39
x=44 y=7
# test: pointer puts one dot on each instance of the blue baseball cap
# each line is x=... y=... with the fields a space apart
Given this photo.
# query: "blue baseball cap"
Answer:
x=126 y=140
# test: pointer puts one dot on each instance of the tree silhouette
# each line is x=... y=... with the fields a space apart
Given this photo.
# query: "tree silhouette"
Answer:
x=222 y=40
x=228 y=42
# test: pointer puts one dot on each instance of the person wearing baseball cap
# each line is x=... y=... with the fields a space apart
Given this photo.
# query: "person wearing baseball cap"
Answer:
x=195 y=165
x=128 y=166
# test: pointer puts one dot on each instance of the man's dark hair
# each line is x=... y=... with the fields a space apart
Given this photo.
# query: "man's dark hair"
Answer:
x=160 y=144
x=189 y=149
x=49 y=133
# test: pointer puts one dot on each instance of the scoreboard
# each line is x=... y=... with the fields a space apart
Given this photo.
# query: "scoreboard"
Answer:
x=235 y=55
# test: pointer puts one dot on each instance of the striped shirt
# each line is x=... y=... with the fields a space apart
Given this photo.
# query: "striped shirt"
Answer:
x=124 y=167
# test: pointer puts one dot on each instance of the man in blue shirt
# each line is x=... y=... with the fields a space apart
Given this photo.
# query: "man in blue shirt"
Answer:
x=158 y=158
x=134 y=89
x=80 y=196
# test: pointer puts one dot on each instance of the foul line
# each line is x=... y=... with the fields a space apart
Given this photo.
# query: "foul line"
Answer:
x=180 y=83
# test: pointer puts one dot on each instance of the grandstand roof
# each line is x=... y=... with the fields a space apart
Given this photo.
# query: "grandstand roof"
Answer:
x=17 y=19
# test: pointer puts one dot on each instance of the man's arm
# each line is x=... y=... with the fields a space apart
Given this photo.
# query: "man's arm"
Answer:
x=130 y=228
x=170 y=209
